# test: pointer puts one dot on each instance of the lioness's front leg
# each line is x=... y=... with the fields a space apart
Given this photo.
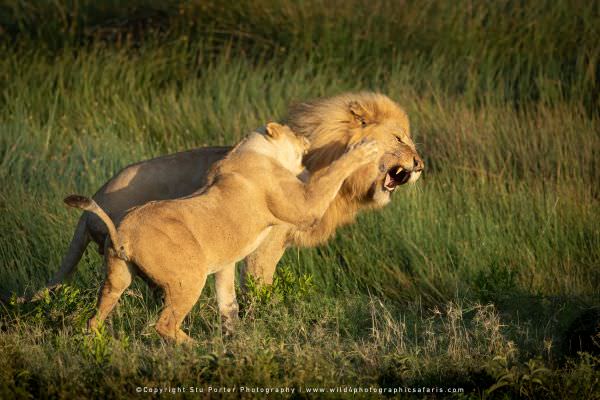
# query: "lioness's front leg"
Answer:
x=228 y=305
x=303 y=205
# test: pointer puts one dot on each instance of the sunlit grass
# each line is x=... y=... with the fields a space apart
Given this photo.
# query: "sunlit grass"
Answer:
x=482 y=265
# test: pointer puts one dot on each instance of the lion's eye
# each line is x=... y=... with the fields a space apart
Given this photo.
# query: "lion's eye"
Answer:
x=399 y=139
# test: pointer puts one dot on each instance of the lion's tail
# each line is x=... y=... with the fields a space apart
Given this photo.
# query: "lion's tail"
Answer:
x=87 y=204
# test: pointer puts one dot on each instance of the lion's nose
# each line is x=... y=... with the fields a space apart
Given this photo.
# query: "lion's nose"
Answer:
x=418 y=164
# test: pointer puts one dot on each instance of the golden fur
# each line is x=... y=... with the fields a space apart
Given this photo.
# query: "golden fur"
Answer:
x=331 y=123
x=177 y=243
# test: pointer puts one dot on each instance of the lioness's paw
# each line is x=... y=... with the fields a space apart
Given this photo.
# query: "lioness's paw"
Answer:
x=92 y=324
x=365 y=151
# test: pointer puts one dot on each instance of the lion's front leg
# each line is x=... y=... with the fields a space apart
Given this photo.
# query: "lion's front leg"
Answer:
x=261 y=264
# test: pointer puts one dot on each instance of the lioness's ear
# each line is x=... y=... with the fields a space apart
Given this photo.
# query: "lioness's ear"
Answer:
x=273 y=129
x=359 y=112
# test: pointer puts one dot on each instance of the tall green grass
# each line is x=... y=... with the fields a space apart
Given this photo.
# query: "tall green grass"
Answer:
x=491 y=256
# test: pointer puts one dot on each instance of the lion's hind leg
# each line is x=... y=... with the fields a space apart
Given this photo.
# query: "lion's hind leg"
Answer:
x=79 y=242
x=118 y=278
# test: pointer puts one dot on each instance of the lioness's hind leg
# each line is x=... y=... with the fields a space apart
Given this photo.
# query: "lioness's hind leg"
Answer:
x=118 y=278
x=180 y=297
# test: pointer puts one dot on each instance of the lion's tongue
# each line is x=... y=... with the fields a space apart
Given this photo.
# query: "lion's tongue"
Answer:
x=389 y=182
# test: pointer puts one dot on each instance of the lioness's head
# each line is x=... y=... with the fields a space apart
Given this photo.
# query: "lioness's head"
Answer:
x=290 y=148
x=280 y=143
x=332 y=124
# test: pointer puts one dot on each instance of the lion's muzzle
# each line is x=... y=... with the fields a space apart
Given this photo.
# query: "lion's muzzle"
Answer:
x=401 y=174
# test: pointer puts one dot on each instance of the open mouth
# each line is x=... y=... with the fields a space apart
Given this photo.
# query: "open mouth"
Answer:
x=395 y=176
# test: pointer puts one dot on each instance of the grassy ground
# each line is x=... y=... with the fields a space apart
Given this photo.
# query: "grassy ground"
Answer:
x=484 y=276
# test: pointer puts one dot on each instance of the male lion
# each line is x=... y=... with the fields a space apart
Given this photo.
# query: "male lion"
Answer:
x=332 y=124
x=177 y=243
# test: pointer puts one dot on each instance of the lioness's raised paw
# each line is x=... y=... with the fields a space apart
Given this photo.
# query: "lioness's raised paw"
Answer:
x=363 y=152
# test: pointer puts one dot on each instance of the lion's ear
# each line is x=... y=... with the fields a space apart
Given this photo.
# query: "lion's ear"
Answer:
x=273 y=129
x=358 y=111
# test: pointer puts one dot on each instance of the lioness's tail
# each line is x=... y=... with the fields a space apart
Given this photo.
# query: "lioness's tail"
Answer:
x=87 y=204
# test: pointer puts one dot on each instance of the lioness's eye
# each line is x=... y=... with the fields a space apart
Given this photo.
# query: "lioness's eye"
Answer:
x=399 y=139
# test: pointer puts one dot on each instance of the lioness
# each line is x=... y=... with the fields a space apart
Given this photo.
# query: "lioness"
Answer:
x=332 y=124
x=177 y=243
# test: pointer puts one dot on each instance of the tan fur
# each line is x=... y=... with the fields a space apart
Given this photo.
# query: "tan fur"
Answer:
x=178 y=243
x=335 y=123
x=331 y=124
